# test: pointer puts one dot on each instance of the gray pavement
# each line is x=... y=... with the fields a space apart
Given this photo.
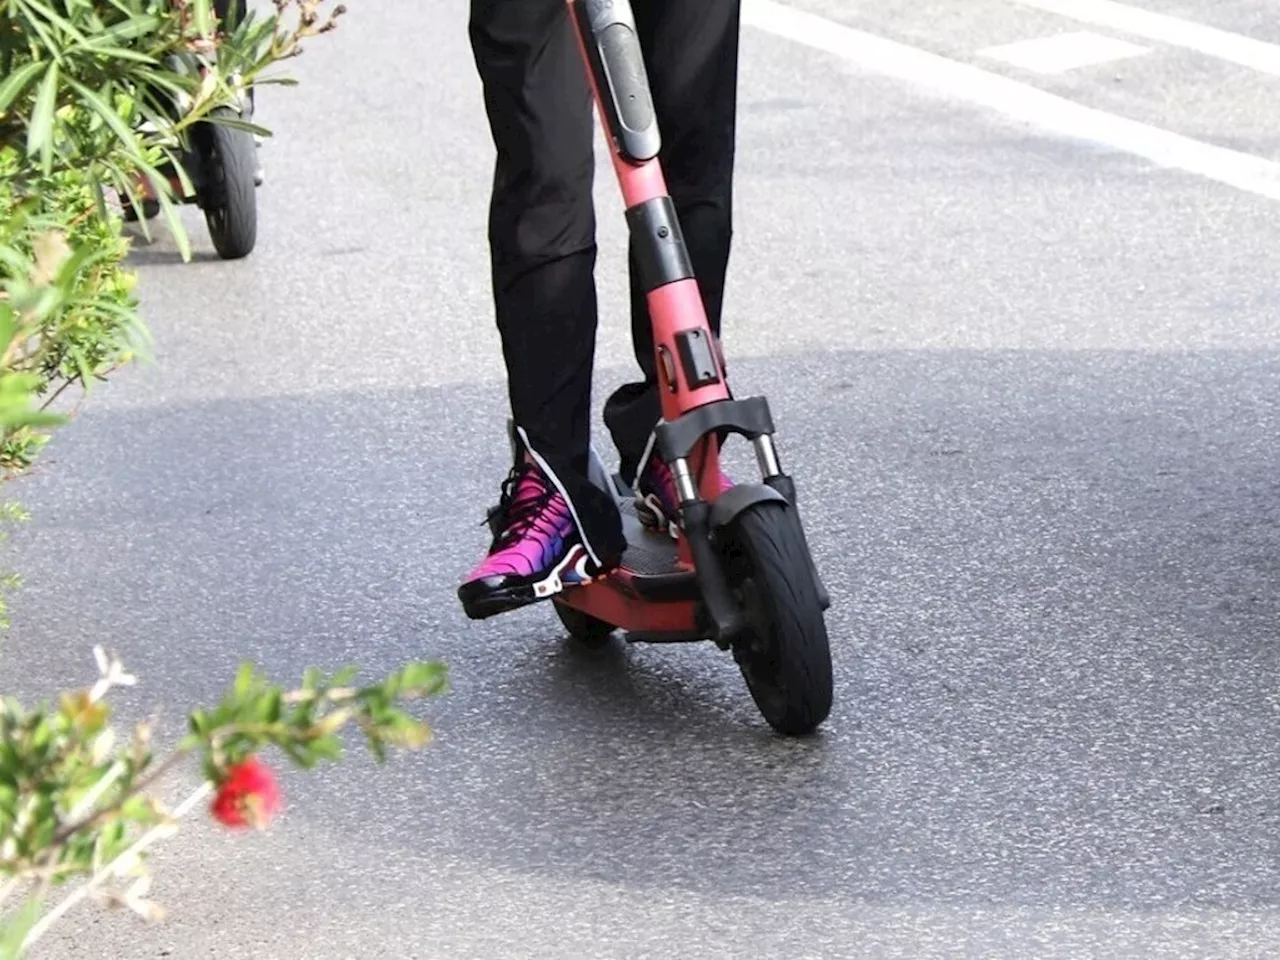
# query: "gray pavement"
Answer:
x=1028 y=388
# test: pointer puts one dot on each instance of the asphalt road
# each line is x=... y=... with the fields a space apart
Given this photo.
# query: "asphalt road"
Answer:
x=1028 y=386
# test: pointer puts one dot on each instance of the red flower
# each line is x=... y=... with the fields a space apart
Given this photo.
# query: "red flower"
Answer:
x=248 y=796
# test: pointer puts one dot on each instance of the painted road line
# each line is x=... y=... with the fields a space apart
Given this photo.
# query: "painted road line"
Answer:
x=1063 y=52
x=1175 y=32
x=954 y=81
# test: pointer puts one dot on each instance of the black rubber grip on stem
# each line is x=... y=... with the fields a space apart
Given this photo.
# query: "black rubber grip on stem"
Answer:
x=658 y=244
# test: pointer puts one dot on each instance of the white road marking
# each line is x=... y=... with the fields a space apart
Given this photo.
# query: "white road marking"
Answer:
x=1176 y=32
x=1063 y=51
x=952 y=80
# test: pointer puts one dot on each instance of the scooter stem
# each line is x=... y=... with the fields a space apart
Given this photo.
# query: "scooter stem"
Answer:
x=690 y=368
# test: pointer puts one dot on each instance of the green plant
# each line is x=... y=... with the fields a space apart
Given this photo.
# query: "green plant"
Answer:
x=11 y=514
x=96 y=98
x=68 y=310
x=75 y=800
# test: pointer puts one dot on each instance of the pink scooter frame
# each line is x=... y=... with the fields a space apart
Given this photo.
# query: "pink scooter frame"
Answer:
x=693 y=600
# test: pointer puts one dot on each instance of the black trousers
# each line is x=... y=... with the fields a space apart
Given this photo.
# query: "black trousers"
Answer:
x=542 y=222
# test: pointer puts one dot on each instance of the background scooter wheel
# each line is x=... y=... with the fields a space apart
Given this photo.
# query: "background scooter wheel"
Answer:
x=582 y=627
x=784 y=655
x=150 y=210
x=231 y=208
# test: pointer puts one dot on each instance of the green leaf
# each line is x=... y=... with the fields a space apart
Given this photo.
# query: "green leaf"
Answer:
x=235 y=123
x=135 y=26
x=58 y=21
x=199 y=721
x=40 y=133
x=402 y=730
x=275 y=81
x=111 y=840
x=175 y=163
x=16 y=927
x=111 y=117
x=98 y=48
x=82 y=256
x=270 y=707
x=244 y=680
x=203 y=16
x=16 y=82
x=326 y=748
x=299 y=755
x=171 y=84
x=176 y=229
x=31 y=418
x=8 y=325
x=430 y=676
x=51 y=45
x=127 y=192
x=83 y=372
x=39 y=302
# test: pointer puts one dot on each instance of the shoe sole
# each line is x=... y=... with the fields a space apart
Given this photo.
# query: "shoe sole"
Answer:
x=506 y=599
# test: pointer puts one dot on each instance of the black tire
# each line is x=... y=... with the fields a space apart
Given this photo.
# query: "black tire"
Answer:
x=785 y=655
x=231 y=199
x=582 y=627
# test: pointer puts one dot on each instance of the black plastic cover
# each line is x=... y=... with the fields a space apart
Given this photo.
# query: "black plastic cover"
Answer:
x=749 y=418
x=658 y=243
x=613 y=48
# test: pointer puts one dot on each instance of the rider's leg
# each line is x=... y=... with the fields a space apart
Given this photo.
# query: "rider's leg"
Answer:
x=691 y=50
x=555 y=525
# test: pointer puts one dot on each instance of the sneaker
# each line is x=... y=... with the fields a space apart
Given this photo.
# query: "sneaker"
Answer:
x=657 y=503
x=536 y=550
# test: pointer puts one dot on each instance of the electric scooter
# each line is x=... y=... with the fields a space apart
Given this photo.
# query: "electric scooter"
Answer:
x=736 y=569
x=221 y=163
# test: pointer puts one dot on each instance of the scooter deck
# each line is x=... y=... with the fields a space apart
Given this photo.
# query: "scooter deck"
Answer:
x=650 y=595
x=651 y=566
x=649 y=553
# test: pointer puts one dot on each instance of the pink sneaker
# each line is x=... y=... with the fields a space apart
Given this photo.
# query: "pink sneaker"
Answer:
x=536 y=553
x=657 y=503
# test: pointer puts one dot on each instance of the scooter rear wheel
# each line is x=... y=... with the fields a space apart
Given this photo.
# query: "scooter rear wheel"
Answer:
x=582 y=627
x=150 y=210
x=785 y=654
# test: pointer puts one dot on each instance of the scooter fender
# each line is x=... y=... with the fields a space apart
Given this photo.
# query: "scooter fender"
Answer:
x=739 y=497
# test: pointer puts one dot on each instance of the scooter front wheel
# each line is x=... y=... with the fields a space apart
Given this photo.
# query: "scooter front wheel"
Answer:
x=784 y=654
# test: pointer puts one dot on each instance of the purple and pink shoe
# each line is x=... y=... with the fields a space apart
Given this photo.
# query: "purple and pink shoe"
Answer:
x=536 y=553
x=657 y=503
